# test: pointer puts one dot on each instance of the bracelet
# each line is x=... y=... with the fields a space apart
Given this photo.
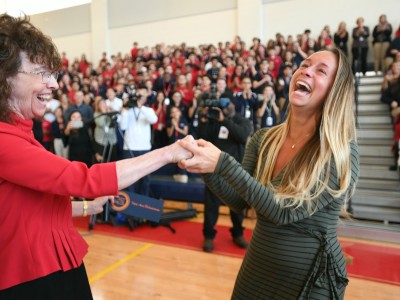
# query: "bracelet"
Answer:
x=85 y=207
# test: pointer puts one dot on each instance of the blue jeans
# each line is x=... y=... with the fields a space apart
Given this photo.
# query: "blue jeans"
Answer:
x=142 y=186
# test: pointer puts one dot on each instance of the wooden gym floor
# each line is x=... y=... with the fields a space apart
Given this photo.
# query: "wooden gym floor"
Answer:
x=120 y=268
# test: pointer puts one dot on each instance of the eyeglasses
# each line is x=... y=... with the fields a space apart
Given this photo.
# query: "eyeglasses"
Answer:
x=46 y=76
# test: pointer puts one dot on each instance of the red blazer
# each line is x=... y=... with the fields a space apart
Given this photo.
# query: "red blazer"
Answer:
x=37 y=236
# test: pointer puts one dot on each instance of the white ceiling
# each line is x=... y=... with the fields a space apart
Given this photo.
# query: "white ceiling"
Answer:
x=29 y=7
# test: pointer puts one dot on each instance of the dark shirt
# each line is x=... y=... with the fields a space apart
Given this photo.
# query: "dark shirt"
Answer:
x=360 y=40
x=229 y=135
x=260 y=75
x=268 y=113
x=247 y=107
x=395 y=44
x=341 y=42
x=381 y=36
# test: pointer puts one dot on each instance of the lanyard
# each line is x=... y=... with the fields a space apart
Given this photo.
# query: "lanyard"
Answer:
x=166 y=90
x=136 y=115
x=262 y=74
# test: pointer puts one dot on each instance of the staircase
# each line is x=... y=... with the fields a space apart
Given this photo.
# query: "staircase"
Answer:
x=377 y=196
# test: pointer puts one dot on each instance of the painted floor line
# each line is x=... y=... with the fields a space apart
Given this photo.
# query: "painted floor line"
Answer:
x=118 y=263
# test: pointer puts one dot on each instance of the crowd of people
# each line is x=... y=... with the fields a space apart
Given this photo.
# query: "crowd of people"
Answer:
x=255 y=78
x=149 y=98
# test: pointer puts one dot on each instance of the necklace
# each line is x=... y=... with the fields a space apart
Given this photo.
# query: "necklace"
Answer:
x=303 y=137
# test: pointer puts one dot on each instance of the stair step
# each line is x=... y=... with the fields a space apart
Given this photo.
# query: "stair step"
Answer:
x=379 y=161
x=362 y=98
x=369 y=230
x=376 y=141
x=386 y=127
x=374 y=133
x=370 y=89
x=374 y=119
x=373 y=107
x=376 y=213
x=367 y=183
x=379 y=173
x=379 y=113
x=375 y=150
x=376 y=198
x=371 y=80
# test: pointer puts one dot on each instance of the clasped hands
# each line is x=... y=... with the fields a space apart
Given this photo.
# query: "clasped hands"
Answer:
x=197 y=156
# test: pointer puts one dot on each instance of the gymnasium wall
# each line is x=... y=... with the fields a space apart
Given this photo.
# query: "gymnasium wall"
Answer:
x=195 y=22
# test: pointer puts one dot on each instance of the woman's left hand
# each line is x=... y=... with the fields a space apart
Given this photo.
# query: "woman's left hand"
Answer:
x=96 y=206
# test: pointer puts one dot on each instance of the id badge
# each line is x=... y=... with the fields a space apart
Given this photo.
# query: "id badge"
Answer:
x=247 y=114
x=223 y=133
x=269 y=121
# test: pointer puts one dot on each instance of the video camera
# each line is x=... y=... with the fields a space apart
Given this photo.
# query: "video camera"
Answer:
x=133 y=97
x=211 y=103
x=112 y=118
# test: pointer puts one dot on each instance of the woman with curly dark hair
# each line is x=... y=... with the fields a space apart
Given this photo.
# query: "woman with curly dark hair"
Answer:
x=41 y=253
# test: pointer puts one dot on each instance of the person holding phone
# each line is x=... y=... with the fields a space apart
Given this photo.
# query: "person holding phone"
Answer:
x=78 y=139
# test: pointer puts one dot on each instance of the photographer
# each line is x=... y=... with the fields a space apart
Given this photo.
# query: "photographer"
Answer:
x=114 y=103
x=221 y=125
x=136 y=121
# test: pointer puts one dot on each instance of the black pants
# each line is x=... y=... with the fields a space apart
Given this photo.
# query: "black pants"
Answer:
x=211 y=213
x=396 y=152
x=60 y=285
x=359 y=63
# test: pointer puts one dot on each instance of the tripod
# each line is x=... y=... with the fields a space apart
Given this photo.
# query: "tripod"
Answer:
x=106 y=157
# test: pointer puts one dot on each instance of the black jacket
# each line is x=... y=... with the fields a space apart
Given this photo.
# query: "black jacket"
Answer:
x=232 y=141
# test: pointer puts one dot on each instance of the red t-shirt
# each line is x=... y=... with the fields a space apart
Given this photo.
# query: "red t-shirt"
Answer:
x=37 y=236
x=187 y=94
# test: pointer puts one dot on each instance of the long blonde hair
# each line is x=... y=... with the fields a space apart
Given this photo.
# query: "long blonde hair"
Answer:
x=308 y=174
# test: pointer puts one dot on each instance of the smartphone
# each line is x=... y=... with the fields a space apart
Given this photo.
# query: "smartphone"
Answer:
x=77 y=124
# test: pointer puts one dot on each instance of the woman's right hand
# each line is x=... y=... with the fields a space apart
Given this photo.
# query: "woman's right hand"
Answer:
x=205 y=156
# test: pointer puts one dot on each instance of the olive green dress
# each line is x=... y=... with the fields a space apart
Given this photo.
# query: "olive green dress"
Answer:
x=292 y=254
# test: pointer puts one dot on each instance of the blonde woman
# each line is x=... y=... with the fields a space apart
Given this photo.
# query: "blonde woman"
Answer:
x=297 y=176
x=341 y=37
